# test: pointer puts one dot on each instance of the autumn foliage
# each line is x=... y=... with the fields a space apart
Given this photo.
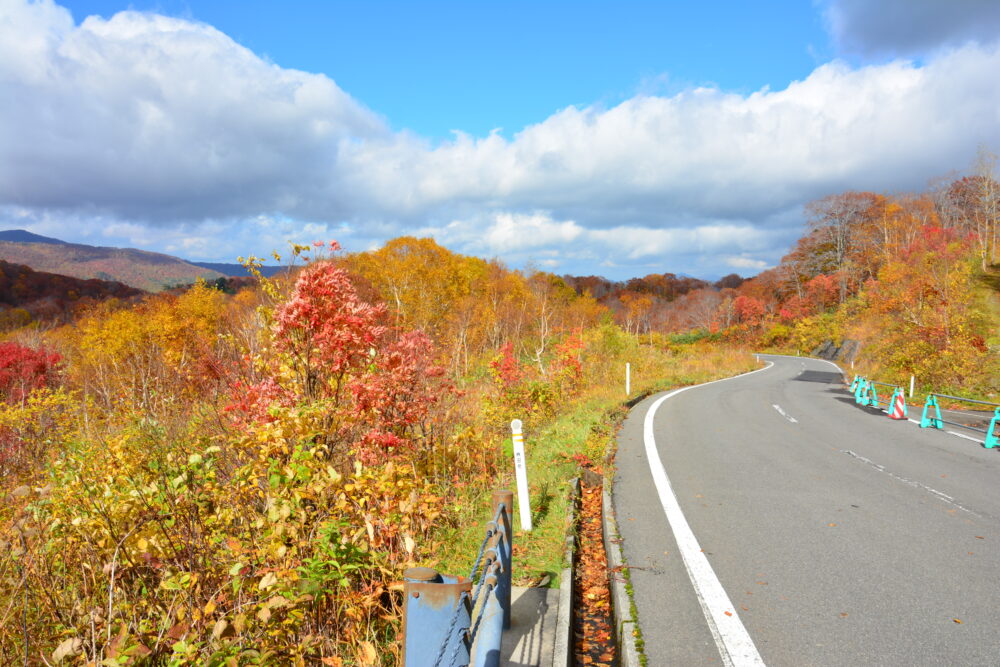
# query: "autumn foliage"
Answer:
x=211 y=478
x=201 y=477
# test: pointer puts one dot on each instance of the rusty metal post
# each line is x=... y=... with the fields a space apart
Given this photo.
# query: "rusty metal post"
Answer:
x=430 y=621
x=504 y=551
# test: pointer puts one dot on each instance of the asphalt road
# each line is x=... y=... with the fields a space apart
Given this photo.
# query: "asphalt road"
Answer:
x=836 y=535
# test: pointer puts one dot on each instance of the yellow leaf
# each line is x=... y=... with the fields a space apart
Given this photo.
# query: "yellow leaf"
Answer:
x=368 y=655
x=270 y=579
x=209 y=607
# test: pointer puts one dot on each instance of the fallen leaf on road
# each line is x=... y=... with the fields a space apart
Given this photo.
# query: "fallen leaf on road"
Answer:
x=843 y=614
x=728 y=613
x=980 y=537
x=957 y=621
x=831 y=525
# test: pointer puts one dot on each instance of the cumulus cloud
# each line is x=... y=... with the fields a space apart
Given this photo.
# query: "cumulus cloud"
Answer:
x=153 y=118
x=911 y=27
x=564 y=246
x=161 y=129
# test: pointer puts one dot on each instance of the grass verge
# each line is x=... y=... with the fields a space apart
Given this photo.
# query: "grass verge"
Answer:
x=580 y=433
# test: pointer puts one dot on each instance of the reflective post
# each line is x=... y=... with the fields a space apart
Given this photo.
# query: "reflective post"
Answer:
x=521 y=473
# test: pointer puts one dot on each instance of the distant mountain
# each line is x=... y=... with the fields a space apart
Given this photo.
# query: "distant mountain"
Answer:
x=150 y=271
x=238 y=270
x=27 y=295
x=24 y=236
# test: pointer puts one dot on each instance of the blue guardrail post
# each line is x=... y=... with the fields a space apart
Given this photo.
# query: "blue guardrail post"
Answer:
x=435 y=632
x=931 y=422
x=505 y=547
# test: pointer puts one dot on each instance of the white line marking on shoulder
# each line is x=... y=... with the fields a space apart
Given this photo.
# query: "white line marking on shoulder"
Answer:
x=736 y=648
x=967 y=437
x=784 y=414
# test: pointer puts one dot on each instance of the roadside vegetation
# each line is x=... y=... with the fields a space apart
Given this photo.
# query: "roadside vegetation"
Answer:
x=913 y=278
x=209 y=478
x=241 y=477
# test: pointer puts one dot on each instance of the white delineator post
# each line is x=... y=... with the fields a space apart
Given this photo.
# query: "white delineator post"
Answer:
x=911 y=386
x=628 y=379
x=521 y=472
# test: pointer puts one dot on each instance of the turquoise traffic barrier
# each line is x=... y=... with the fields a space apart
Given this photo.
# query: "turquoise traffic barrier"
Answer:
x=991 y=431
x=990 y=439
x=873 y=399
x=859 y=390
x=927 y=422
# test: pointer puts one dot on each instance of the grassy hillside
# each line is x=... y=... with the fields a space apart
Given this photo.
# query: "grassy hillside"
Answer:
x=27 y=295
x=144 y=270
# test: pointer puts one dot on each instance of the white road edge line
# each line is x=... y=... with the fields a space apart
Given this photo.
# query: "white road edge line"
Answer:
x=958 y=435
x=784 y=414
x=734 y=643
x=967 y=437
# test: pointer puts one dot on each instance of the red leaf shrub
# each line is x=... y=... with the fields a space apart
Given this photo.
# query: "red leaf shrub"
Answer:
x=23 y=370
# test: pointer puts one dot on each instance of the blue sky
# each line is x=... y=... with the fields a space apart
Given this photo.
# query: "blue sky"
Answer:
x=435 y=67
x=587 y=138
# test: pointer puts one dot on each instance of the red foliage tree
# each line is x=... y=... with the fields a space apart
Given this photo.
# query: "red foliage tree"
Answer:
x=374 y=384
x=23 y=370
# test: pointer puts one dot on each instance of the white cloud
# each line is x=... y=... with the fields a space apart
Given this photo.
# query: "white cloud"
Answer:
x=512 y=231
x=746 y=263
x=167 y=124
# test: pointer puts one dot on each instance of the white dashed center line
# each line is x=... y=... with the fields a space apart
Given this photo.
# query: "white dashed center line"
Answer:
x=785 y=414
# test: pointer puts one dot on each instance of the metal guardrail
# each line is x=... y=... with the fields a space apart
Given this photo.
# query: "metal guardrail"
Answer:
x=866 y=393
x=448 y=624
x=936 y=421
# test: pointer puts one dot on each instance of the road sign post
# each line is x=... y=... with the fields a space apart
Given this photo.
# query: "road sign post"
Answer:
x=521 y=472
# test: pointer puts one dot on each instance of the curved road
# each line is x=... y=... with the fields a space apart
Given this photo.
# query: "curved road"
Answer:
x=835 y=535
